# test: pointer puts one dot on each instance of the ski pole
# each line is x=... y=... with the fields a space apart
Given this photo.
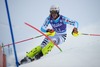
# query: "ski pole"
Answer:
x=90 y=34
x=23 y=40
x=77 y=34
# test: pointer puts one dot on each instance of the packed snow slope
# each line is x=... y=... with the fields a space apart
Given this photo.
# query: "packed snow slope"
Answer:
x=81 y=51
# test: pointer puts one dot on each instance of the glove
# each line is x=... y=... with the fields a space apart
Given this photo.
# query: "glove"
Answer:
x=50 y=32
x=75 y=32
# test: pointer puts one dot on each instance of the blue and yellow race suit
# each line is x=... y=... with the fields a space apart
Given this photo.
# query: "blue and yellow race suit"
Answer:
x=59 y=26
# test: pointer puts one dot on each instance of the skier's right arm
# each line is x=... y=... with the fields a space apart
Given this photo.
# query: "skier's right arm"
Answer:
x=45 y=25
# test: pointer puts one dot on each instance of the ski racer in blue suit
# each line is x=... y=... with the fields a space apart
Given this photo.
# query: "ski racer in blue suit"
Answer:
x=59 y=25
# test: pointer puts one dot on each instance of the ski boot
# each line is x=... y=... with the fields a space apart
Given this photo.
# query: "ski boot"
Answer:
x=39 y=55
x=44 y=50
x=30 y=55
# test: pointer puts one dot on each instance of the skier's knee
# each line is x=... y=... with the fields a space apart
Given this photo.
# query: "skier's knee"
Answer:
x=47 y=48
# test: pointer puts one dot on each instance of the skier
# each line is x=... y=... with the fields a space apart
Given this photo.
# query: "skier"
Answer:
x=57 y=34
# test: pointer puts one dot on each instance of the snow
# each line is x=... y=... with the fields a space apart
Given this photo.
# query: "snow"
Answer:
x=81 y=51
x=75 y=54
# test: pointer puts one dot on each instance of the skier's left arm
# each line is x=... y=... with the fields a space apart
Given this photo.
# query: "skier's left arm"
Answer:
x=73 y=23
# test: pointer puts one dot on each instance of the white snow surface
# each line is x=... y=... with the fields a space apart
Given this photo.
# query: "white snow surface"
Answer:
x=81 y=51
x=75 y=53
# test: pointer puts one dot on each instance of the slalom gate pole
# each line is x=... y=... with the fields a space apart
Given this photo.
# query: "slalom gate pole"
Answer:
x=44 y=35
x=11 y=31
x=22 y=40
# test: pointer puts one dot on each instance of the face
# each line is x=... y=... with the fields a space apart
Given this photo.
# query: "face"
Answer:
x=54 y=15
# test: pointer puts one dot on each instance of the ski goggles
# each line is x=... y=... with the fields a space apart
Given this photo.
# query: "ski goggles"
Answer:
x=53 y=12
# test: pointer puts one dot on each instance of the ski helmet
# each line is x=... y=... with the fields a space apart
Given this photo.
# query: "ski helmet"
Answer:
x=54 y=8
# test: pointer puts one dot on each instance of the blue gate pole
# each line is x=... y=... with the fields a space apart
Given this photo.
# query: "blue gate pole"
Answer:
x=11 y=31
